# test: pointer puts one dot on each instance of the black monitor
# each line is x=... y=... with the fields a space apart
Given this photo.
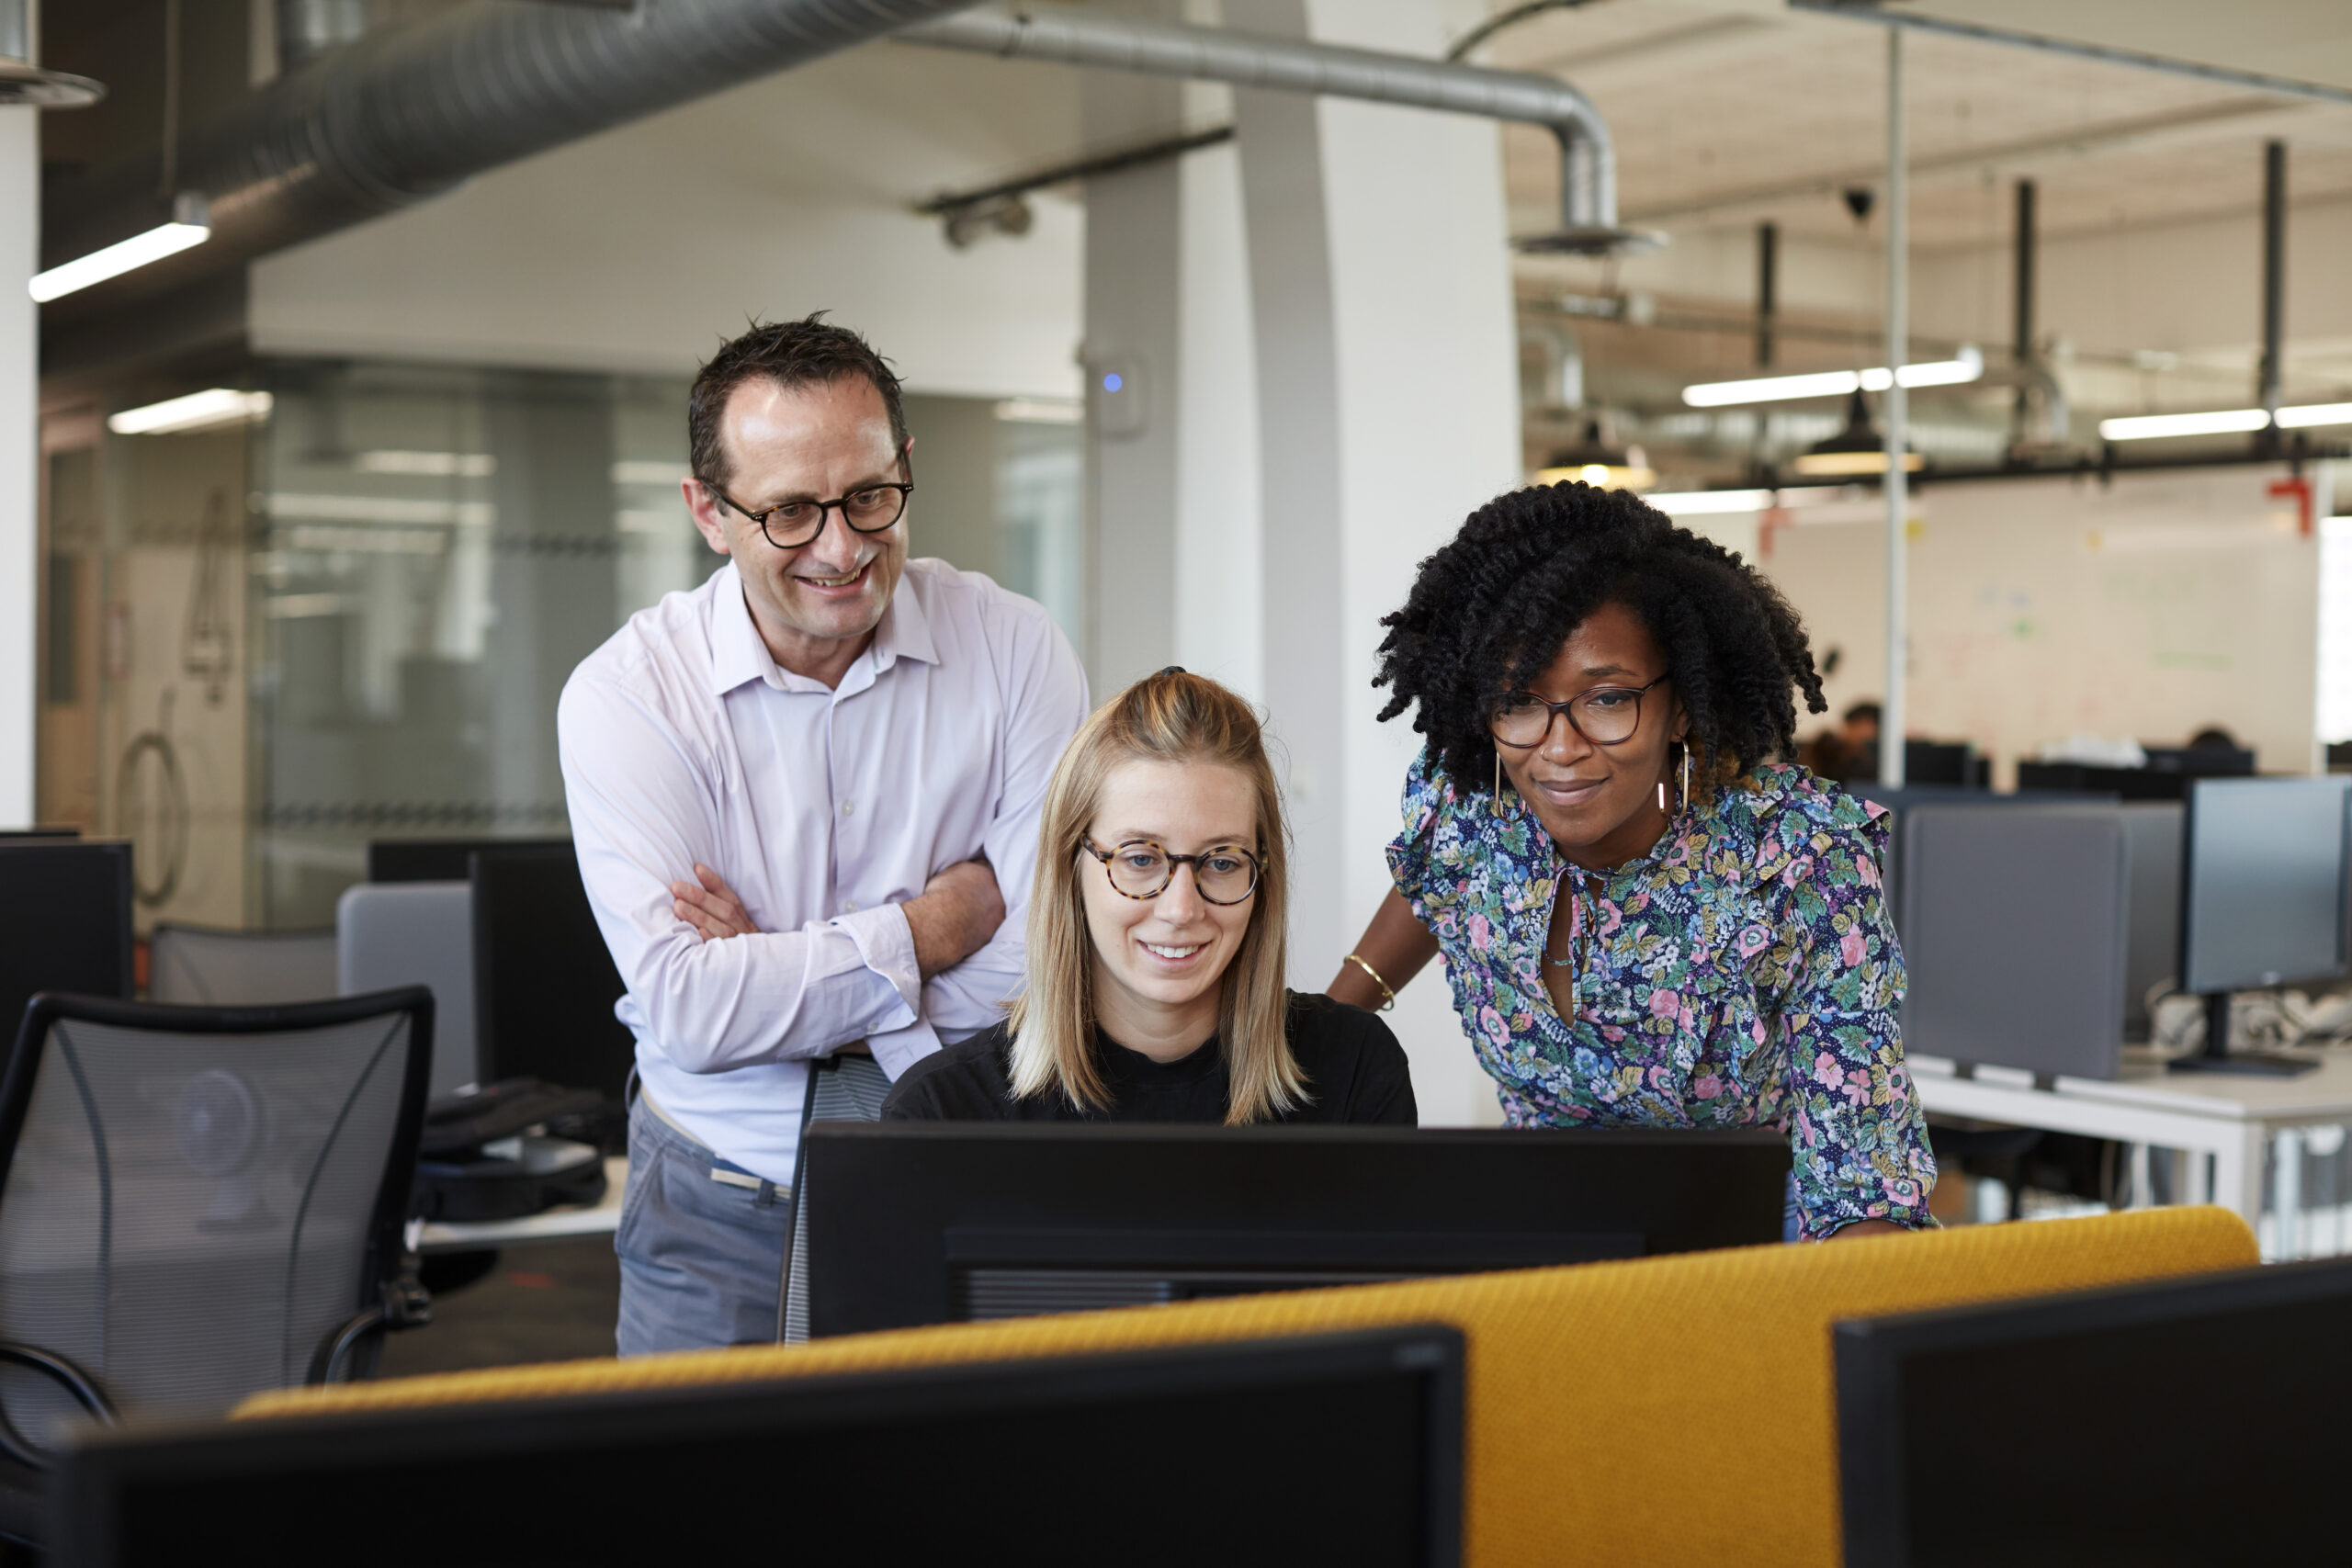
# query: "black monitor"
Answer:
x=936 y=1222
x=544 y=980
x=64 y=923
x=2086 y=778
x=2189 y=1421
x=1339 y=1448
x=438 y=860
x=2264 y=864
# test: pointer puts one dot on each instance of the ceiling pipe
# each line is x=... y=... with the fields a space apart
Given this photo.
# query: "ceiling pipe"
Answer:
x=1767 y=291
x=1588 y=153
x=2272 y=375
x=406 y=113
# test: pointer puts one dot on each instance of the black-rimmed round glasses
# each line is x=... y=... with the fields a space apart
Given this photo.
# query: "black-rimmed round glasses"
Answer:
x=788 y=524
x=1606 y=715
x=1224 y=874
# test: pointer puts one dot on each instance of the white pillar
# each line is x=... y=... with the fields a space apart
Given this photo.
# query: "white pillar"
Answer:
x=1894 y=710
x=1387 y=377
x=19 y=445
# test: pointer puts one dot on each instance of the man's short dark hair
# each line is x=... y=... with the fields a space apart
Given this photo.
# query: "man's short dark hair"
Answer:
x=1862 y=711
x=809 y=352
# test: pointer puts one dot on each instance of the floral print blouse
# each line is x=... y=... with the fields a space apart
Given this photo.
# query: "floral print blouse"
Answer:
x=1742 y=973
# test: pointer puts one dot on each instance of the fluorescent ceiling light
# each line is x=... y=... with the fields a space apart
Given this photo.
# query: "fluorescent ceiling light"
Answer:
x=197 y=410
x=1698 y=503
x=1041 y=411
x=2315 y=414
x=471 y=465
x=191 y=224
x=2220 y=421
x=1832 y=464
x=1599 y=476
x=1969 y=366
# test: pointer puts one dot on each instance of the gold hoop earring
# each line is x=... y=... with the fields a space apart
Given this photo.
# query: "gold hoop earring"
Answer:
x=1498 y=783
x=1686 y=773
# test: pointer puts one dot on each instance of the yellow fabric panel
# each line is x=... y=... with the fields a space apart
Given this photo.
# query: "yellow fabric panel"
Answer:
x=1666 y=1410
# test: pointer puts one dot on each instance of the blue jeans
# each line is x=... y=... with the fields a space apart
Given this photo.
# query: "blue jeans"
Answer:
x=701 y=1257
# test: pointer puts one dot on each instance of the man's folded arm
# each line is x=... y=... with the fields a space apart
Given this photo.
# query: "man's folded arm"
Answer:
x=1047 y=697
x=643 y=817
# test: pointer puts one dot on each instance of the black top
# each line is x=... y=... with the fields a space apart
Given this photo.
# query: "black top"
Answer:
x=1355 y=1071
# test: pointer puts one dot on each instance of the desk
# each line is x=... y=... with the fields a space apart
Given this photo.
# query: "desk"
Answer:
x=2231 y=1118
x=600 y=1218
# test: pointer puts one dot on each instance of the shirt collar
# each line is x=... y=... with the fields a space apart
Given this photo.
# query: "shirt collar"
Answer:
x=738 y=654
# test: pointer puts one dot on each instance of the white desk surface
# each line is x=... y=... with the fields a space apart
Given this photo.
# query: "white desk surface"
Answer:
x=2143 y=1082
x=600 y=1218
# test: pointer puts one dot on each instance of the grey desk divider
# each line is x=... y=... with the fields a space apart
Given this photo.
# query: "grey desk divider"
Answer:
x=2014 y=923
x=416 y=933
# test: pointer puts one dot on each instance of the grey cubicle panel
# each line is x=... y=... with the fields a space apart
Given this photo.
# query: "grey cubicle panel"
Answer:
x=2151 y=832
x=416 y=933
x=2014 y=932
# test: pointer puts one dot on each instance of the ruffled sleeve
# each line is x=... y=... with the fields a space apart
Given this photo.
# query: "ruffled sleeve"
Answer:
x=1414 y=854
x=1856 y=1128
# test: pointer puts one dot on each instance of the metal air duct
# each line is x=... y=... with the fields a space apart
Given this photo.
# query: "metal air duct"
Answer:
x=406 y=113
x=1588 y=155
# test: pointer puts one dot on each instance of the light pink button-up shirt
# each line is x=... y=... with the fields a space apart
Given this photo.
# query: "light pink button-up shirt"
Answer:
x=825 y=810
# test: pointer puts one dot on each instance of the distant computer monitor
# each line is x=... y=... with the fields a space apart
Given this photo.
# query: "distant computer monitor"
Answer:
x=2263 y=898
x=2152 y=831
x=438 y=860
x=2196 y=1420
x=1339 y=1448
x=2014 y=926
x=2085 y=778
x=937 y=1222
x=544 y=980
x=64 y=923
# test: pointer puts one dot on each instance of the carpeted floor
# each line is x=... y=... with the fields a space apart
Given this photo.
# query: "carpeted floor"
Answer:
x=552 y=1302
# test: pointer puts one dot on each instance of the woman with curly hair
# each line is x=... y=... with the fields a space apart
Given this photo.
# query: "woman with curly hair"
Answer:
x=1649 y=917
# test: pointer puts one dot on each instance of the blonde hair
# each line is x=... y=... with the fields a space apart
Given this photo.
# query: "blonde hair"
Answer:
x=1172 y=716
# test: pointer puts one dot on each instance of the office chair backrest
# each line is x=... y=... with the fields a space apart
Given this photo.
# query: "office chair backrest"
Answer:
x=544 y=980
x=203 y=967
x=416 y=933
x=64 y=923
x=192 y=1198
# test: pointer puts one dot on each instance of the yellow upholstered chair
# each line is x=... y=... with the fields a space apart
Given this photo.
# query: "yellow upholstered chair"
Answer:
x=1664 y=1410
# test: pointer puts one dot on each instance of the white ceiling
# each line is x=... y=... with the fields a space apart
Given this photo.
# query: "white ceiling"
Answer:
x=1728 y=113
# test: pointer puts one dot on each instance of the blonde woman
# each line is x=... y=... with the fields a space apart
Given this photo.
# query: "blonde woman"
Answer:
x=1156 y=953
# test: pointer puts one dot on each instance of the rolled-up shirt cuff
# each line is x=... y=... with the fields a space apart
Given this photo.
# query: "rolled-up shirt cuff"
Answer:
x=899 y=1049
x=886 y=945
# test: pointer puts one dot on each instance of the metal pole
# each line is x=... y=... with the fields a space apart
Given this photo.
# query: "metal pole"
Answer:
x=2274 y=276
x=1768 y=301
x=2021 y=338
x=1892 y=708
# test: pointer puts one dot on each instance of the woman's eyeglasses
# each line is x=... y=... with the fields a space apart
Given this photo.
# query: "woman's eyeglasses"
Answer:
x=1224 y=874
x=1606 y=715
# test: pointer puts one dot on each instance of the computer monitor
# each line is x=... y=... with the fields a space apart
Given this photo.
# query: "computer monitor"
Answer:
x=2195 y=1420
x=1339 y=1448
x=2151 y=833
x=2015 y=921
x=2263 y=899
x=438 y=860
x=936 y=1222
x=64 y=923
x=544 y=980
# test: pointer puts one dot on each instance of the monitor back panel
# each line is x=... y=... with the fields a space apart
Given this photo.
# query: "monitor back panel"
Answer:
x=544 y=980
x=2195 y=1421
x=2014 y=932
x=1343 y=1448
x=64 y=923
x=2263 y=882
x=936 y=1222
x=438 y=860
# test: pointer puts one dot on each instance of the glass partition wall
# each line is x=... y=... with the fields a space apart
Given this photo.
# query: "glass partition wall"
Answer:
x=266 y=645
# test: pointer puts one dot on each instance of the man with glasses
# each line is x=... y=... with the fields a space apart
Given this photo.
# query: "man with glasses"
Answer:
x=804 y=797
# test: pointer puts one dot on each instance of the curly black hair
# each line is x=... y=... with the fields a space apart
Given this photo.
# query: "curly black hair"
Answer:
x=1489 y=611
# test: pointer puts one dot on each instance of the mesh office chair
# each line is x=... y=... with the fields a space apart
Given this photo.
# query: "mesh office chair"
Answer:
x=200 y=966
x=197 y=1204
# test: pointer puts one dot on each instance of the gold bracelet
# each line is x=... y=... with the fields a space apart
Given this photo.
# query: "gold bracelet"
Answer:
x=1357 y=959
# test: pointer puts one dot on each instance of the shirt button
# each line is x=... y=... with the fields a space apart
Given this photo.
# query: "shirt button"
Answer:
x=849 y=908
x=849 y=808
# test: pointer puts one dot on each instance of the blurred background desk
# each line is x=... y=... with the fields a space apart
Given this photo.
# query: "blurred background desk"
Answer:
x=600 y=1218
x=2256 y=1128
